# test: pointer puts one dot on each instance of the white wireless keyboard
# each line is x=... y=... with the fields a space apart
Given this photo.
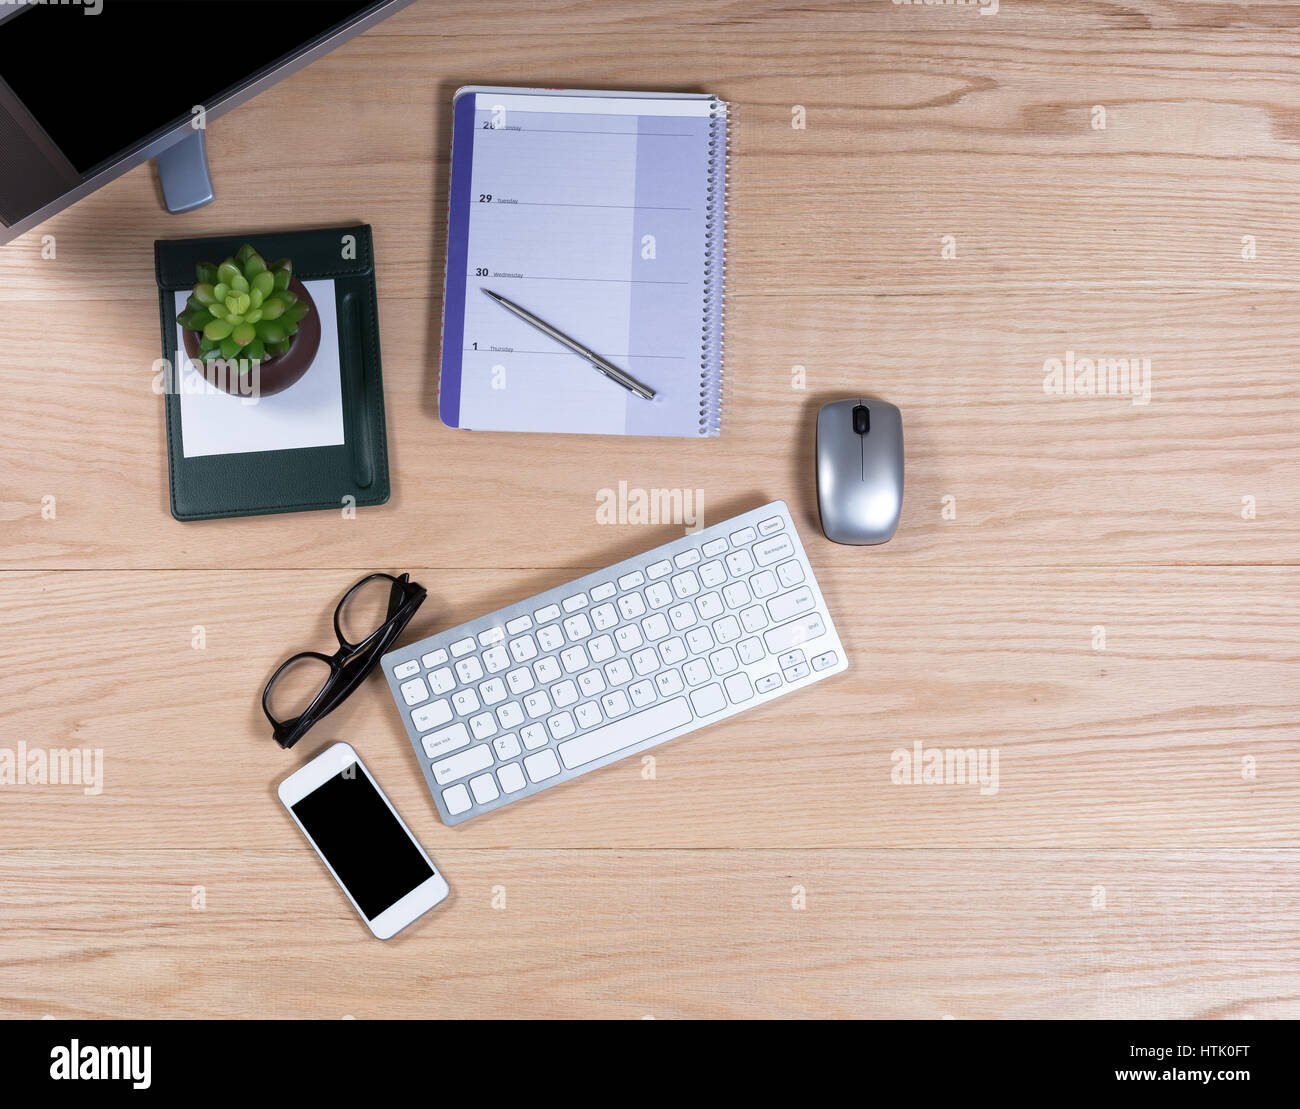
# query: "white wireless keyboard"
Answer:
x=580 y=676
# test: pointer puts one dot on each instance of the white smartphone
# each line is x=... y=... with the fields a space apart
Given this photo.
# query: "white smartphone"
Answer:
x=387 y=875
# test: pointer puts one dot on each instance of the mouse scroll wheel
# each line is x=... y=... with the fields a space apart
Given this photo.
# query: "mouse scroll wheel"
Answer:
x=861 y=419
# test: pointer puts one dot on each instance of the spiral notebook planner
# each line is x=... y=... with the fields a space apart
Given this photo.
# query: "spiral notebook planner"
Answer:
x=604 y=214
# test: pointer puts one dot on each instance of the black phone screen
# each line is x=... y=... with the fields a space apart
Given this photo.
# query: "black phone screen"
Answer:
x=356 y=831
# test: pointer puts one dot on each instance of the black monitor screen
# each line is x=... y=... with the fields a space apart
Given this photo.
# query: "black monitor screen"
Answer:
x=99 y=84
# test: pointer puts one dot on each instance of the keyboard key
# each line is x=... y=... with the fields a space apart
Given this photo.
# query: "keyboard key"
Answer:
x=764 y=584
x=714 y=547
x=601 y=649
x=771 y=525
x=496 y=659
x=457 y=800
x=469 y=669
x=709 y=606
x=561 y=725
x=574 y=659
x=768 y=682
x=511 y=778
x=484 y=788
x=615 y=703
x=794 y=673
x=463 y=764
x=659 y=569
x=577 y=601
x=523 y=648
x=546 y=669
x=591 y=683
x=751 y=650
x=790 y=573
x=724 y=661
x=658 y=595
x=743 y=536
x=577 y=627
x=506 y=746
x=442 y=680
x=629 y=637
x=547 y=614
x=753 y=618
x=604 y=617
x=434 y=658
x=534 y=736
x=825 y=661
x=708 y=700
x=631 y=606
x=588 y=714
x=431 y=715
x=603 y=592
x=773 y=550
x=642 y=693
x=736 y=594
x=791 y=604
x=791 y=658
x=414 y=691
x=739 y=563
x=655 y=627
x=565 y=693
x=483 y=725
x=645 y=661
x=697 y=671
x=550 y=638
x=491 y=637
x=444 y=742
x=672 y=651
x=520 y=680
x=462 y=647
x=682 y=616
x=727 y=630
x=687 y=558
x=631 y=581
x=537 y=703
x=542 y=765
x=406 y=669
x=519 y=624
x=713 y=574
x=700 y=640
x=668 y=681
x=622 y=733
x=738 y=688
x=510 y=715
x=686 y=585
x=619 y=671
x=795 y=633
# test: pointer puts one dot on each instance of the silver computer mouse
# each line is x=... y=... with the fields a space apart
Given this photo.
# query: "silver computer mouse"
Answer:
x=859 y=470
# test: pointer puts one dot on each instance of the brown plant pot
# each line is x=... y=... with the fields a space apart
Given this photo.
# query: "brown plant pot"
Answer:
x=276 y=374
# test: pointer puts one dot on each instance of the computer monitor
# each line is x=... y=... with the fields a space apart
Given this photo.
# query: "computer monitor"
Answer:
x=92 y=88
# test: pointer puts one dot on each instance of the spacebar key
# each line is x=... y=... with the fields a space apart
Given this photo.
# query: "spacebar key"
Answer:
x=623 y=733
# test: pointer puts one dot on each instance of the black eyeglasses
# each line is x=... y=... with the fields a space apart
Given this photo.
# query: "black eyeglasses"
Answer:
x=310 y=686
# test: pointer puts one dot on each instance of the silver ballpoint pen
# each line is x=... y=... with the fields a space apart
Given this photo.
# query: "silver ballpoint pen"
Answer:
x=605 y=366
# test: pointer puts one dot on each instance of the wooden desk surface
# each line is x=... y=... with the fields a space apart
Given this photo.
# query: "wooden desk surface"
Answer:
x=1138 y=858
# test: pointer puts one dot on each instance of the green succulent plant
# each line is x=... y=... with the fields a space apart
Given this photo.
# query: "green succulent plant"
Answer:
x=243 y=309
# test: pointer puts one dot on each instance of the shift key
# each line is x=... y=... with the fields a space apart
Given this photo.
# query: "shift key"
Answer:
x=795 y=633
x=466 y=762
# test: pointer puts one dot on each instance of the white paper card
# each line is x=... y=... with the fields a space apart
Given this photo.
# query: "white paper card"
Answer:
x=307 y=414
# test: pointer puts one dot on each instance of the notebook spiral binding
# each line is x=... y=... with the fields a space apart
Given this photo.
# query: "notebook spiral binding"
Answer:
x=713 y=330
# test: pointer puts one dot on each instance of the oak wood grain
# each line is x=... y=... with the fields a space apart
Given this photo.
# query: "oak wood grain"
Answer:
x=1137 y=857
